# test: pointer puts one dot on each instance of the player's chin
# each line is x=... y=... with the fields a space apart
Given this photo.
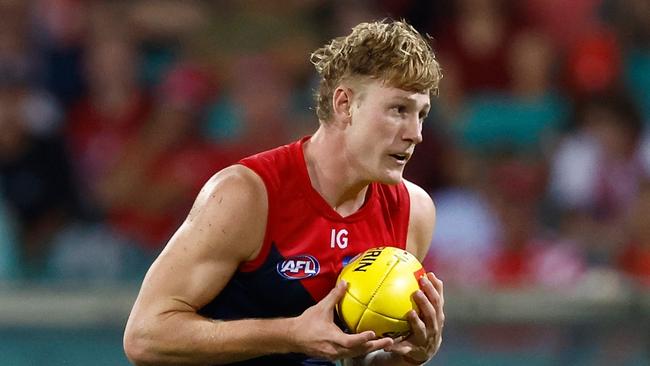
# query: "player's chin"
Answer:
x=391 y=177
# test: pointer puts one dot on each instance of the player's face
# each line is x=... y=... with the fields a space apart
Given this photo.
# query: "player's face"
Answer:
x=386 y=125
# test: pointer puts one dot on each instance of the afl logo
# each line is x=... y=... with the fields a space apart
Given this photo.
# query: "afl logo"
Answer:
x=298 y=267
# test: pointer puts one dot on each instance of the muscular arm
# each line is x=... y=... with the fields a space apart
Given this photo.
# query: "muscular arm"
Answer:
x=425 y=340
x=224 y=228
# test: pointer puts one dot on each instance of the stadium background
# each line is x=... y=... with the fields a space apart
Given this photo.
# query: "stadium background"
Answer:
x=537 y=153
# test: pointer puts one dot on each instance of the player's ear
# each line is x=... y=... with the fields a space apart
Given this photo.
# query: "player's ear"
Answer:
x=342 y=104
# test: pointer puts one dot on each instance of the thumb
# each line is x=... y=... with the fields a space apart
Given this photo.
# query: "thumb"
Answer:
x=335 y=295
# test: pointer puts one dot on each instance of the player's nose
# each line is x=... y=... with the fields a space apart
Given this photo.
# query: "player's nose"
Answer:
x=413 y=130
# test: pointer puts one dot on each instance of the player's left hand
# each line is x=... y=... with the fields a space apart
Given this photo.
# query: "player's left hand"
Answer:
x=426 y=329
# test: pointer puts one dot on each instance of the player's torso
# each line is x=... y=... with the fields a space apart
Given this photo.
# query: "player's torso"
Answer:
x=307 y=242
x=308 y=250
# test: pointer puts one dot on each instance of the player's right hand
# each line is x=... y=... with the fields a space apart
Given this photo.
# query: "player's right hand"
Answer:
x=316 y=334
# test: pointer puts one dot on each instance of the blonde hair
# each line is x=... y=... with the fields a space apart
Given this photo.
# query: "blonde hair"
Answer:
x=393 y=52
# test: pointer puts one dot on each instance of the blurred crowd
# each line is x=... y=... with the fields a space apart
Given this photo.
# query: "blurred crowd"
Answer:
x=537 y=152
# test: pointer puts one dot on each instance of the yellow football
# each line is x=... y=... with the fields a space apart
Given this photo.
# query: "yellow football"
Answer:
x=381 y=282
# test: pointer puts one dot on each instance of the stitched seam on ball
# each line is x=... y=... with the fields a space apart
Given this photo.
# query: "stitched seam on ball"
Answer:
x=381 y=283
x=374 y=292
x=365 y=308
x=354 y=297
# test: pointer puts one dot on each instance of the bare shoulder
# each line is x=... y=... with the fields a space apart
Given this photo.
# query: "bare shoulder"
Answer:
x=232 y=203
x=420 y=198
x=224 y=228
x=422 y=220
x=236 y=179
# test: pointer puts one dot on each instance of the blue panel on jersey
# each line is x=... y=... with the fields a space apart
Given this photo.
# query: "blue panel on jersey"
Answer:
x=263 y=293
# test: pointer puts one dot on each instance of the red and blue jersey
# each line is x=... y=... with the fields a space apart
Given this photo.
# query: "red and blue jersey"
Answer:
x=306 y=244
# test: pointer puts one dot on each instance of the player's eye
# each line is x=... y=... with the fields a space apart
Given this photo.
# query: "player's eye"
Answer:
x=400 y=109
x=423 y=114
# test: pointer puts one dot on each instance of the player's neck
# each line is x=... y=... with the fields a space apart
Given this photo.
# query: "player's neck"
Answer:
x=331 y=176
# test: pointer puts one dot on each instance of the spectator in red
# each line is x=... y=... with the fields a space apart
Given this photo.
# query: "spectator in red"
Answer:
x=152 y=186
x=102 y=123
x=474 y=45
x=525 y=254
x=566 y=22
x=594 y=63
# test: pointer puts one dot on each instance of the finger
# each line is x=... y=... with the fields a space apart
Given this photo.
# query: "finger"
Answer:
x=397 y=342
x=401 y=348
x=427 y=309
x=429 y=290
x=433 y=296
x=431 y=336
x=377 y=344
x=422 y=325
x=434 y=319
x=367 y=337
x=439 y=305
x=367 y=347
x=356 y=340
x=438 y=285
x=335 y=295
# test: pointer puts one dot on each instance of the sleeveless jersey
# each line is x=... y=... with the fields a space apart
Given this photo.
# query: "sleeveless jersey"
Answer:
x=306 y=244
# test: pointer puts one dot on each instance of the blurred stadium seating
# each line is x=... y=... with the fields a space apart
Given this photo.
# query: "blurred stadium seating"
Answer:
x=537 y=153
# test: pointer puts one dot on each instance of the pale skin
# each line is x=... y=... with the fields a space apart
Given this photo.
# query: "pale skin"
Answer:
x=369 y=138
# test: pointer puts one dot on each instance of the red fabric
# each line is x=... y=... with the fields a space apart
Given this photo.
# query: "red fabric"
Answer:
x=188 y=167
x=565 y=21
x=594 y=63
x=511 y=267
x=97 y=140
x=187 y=86
x=635 y=261
x=478 y=71
x=301 y=222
